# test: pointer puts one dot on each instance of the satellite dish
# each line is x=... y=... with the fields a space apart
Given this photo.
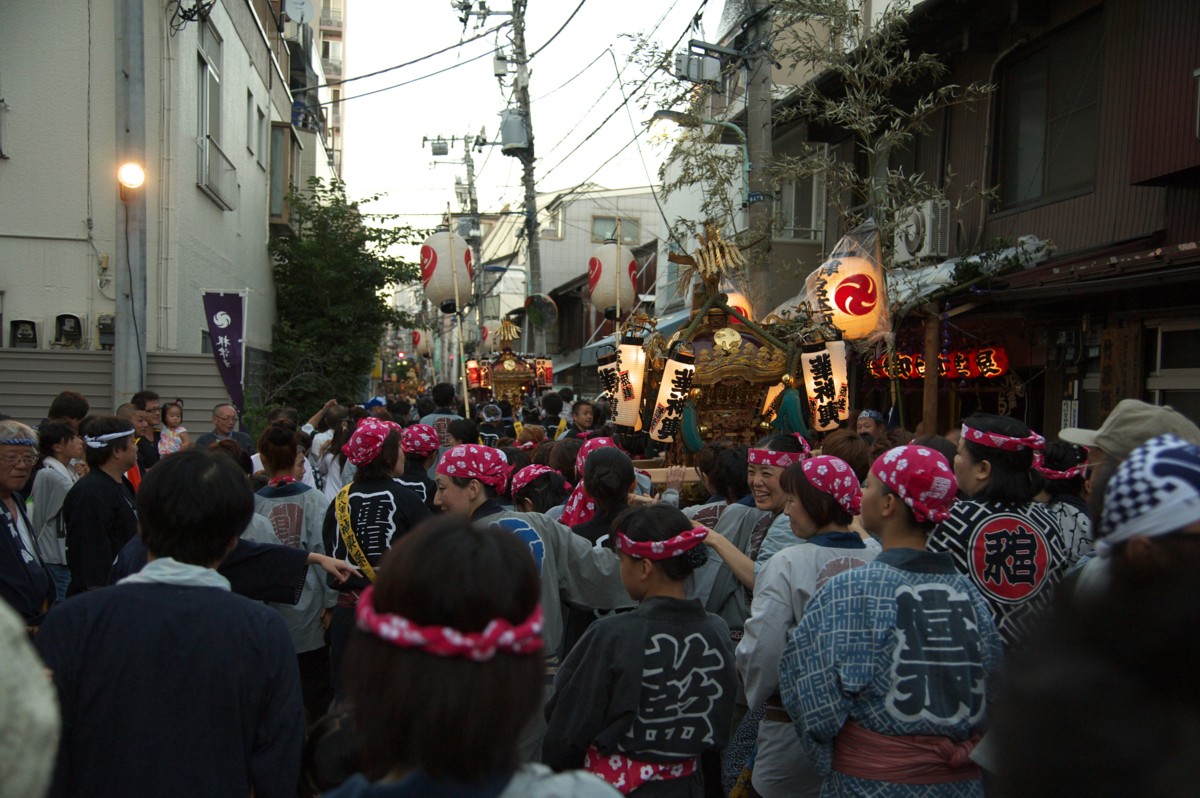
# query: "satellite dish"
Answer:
x=542 y=310
x=299 y=11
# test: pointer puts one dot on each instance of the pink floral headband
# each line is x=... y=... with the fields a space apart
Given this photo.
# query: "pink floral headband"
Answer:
x=994 y=440
x=529 y=473
x=472 y=461
x=367 y=440
x=834 y=476
x=662 y=549
x=420 y=439
x=443 y=641
x=769 y=457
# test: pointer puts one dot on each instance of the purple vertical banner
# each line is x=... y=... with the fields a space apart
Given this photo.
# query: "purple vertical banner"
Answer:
x=226 y=329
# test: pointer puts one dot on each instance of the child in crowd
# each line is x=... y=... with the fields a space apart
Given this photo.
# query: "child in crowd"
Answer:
x=174 y=436
x=455 y=615
x=646 y=692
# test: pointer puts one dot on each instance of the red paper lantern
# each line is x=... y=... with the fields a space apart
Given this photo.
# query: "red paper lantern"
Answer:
x=438 y=274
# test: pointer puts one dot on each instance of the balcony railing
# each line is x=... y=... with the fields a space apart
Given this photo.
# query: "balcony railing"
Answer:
x=218 y=175
x=332 y=67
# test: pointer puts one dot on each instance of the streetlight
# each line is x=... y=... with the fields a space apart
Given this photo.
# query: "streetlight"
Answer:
x=131 y=176
x=693 y=121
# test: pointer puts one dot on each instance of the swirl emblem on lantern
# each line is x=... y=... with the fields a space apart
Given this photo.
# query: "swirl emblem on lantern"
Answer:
x=603 y=278
x=856 y=295
x=440 y=273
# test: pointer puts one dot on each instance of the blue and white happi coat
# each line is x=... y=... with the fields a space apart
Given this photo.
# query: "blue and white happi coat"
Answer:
x=903 y=645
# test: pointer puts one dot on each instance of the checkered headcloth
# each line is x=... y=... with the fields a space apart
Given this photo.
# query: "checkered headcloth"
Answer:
x=1155 y=491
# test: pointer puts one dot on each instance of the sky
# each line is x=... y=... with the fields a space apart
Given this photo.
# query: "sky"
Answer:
x=383 y=151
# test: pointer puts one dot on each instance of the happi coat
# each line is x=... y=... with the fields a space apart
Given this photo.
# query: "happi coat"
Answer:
x=903 y=645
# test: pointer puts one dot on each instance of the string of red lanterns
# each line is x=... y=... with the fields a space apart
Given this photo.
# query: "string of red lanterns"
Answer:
x=987 y=362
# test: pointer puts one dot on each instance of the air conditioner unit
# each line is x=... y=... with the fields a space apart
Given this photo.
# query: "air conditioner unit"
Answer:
x=69 y=330
x=25 y=333
x=923 y=231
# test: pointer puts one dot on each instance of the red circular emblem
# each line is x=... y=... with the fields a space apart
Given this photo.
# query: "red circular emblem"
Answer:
x=428 y=262
x=856 y=295
x=1009 y=558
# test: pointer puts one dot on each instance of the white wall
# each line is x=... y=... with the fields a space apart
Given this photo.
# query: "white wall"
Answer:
x=48 y=262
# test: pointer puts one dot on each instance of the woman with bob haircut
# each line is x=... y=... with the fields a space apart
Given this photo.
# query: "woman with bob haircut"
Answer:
x=445 y=670
x=1008 y=544
x=645 y=693
x=823 y=496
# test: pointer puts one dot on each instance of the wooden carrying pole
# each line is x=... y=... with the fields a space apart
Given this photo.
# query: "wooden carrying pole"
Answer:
x=929 y=405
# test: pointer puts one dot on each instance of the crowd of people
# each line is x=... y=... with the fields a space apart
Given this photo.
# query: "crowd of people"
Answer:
x=427 y=599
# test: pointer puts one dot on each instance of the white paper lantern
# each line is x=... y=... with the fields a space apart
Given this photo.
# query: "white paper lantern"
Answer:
x=631 y=372
x=851 y=293
x=608 y=285
x=422 y=343
x=445 y=260
x=608 y=367
x=826 y=384
x=672 y=393
x=488 y=337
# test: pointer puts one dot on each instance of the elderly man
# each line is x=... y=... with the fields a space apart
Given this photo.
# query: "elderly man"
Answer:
x=871 y=422
x=225 y=418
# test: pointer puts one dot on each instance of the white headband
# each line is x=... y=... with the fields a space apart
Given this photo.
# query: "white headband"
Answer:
x=100 y=441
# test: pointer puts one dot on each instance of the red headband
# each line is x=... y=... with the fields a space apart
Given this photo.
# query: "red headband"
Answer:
x=1039 y=465
x=834 y=476
x=531 y=472
x=662 y=549
x=994 y=440
x=922 y=479
x=442 y=641
x=420 y=439
x=769 y=457
x=472 y=461
x=580 y=507
x=367 y=440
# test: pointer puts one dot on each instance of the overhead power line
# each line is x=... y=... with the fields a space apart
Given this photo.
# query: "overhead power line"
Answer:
x=533 y=55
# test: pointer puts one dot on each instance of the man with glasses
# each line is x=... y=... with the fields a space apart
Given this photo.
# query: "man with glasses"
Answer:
x=24 y=581
x=225 y=418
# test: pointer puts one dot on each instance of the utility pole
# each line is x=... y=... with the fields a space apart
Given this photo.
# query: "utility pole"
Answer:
x=758 y=142
x=526 y=156
x=474 y=229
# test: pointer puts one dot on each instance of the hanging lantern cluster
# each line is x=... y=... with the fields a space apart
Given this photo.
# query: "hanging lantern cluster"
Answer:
x=826 y=383
x=631 y=355
x=673 y=393
x=612 y=278
x=988 y=362
x=447 y=270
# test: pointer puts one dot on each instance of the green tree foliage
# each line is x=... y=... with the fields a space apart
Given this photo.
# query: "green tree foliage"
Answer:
x=331 y=276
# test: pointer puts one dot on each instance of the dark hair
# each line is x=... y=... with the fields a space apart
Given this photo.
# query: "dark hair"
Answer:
x=562 y=458
x=381 y=413
x=68 y=404
x=162 y=411
x=237 y=453
x=290 y=413
x=143 y=398
x=277 y=448
x=105 y=425
x=463 y=431
x=541 y=452
x=552 y=403
x=447 y=573
x=1060 y=456
x=567 y=393
x=582 y=402
x=192 y=505
x=1009 y=481
x=851 y=447
x=727 y=474
x=425 y=406
x=517 y=458
x=443 y=395
x=939 y=444
x=384 y=464
x=51 y=433
x=822 y=508
x=607 y=475
x=544 y=492
x=780 y=443
x=655 y=522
